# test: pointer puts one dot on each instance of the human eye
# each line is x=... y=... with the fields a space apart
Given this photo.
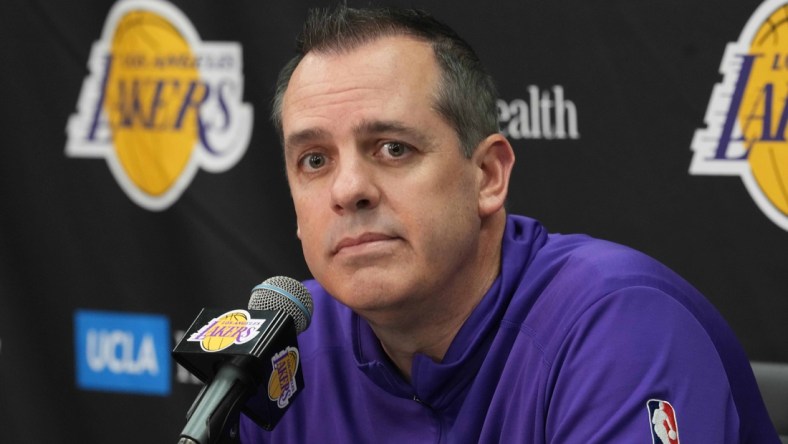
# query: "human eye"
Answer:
x=312 y=161
x=395 y=149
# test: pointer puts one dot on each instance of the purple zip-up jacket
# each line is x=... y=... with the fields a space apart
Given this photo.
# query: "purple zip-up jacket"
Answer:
x=577 y=341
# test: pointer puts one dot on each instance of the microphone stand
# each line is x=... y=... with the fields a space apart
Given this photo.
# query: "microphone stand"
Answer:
x=218 y=406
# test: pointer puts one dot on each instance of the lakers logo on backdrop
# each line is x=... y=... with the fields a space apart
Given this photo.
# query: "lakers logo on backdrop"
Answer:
x=747 y=116
x=160 y=104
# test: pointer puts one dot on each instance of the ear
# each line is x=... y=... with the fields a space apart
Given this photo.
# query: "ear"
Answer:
x=495 y=159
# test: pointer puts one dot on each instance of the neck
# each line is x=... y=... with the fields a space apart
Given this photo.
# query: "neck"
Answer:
x=430 y=327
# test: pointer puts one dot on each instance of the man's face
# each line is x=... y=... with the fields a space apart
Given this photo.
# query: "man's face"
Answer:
x=387 y=206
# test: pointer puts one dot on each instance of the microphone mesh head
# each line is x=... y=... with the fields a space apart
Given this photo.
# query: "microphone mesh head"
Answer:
x=285 y=294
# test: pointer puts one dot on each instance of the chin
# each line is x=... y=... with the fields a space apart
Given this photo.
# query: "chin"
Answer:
x=368 y=296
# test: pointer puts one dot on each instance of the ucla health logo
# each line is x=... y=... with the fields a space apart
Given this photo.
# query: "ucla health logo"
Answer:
x=159 y=103
x=122 y=352
x=545 y=115
x=747 y=115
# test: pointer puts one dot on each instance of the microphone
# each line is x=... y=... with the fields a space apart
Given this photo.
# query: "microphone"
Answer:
x=248 y=359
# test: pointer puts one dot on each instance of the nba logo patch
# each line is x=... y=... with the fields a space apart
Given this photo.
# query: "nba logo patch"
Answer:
x=662 y=419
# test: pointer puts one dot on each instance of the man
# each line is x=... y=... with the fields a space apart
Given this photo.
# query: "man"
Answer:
x=438 y=318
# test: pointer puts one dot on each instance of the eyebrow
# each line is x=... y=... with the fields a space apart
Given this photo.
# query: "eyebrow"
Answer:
x=364 y=128
x=305 y=136
x=391 y=127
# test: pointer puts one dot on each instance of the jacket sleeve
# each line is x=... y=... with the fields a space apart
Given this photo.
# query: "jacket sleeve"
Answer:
x=637 y=367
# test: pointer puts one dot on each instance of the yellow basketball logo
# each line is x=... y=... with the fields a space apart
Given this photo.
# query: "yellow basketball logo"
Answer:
x=160 y=104
x=282 y=384
x=223 y=332
x=763 y=109
x=747 y=117
x=151 y=96
x=233 y=327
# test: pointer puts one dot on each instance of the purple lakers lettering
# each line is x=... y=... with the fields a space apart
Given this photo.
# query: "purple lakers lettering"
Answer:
x=747 y=117
x=282 y=384
x=159 y=103
x=233 y=327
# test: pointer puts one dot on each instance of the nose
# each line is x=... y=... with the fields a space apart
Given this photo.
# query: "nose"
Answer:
x=354 y=188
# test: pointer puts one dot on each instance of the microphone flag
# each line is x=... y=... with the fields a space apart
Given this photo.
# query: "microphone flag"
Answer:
x=259 y=351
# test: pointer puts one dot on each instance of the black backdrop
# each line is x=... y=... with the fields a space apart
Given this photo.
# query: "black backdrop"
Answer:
x=636 y=78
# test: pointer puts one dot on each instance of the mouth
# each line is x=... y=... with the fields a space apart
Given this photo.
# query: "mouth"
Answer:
x=365 y=240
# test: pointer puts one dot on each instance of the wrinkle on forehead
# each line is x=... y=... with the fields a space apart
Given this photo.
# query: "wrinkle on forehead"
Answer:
x=384 y=75
x=365 y=128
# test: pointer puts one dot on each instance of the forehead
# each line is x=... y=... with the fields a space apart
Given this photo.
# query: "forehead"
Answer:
x=394 y=77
